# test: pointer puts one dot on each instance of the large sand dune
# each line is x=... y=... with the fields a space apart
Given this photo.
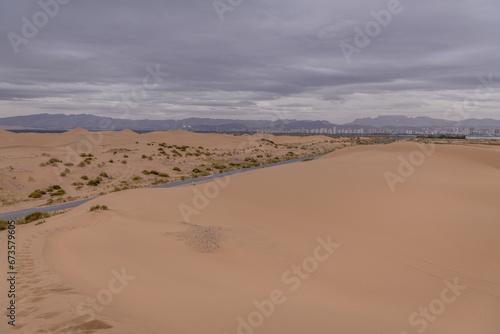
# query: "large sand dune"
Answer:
x=328 y=241
x=38 y=161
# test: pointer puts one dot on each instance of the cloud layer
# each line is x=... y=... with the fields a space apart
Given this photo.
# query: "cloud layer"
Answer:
x=265 y=59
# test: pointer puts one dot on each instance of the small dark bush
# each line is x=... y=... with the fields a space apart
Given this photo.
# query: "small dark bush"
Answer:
x=37 y=193
x=35 y=216
x=60 y=192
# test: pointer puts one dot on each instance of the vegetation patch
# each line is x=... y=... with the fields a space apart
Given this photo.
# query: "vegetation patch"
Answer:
x=99 y=207
x=35 y=216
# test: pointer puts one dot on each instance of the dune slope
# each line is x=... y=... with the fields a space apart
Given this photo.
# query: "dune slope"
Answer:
x=323 y=246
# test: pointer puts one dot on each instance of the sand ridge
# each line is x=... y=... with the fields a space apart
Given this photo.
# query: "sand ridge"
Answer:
x=430 y=245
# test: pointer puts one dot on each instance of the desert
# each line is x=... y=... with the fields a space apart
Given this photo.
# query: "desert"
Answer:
x=318 y=246
x=82 y=164
x=249 y=167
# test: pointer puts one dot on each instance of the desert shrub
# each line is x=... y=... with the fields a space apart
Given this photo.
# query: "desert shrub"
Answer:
x=217 y=166
x=125 y=156
x=177 y=169
x=84 y=177
x=267 y=141
x=111 y=161
x=54 y=187
x=60 y=192
x=196 y=170
x=124 y=162
x=54 y=160
x=153 y=172
x=136 y=178
x=3 y=224
x=35 y=216
x=144 y=156
x=99 y=207
x=37 y=193
x=145 y=172
x=163 y=175
x=63 y=174
x=81 y=164
x=68 y=164
x=95 y=182
x=103 y=174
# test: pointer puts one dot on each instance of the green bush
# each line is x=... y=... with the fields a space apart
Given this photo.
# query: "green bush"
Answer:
x=177 y=169
x=84 y=177
x=153 y=172
x=3 y=224
x=35 y=216
x=95 y=182
x=163 y=175
x=60 y=192
x=54 y=160
x=99 y=207
x=145 y=172
x=37 y=193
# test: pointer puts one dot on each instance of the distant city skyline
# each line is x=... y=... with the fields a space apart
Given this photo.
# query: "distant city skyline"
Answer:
x=314 y=60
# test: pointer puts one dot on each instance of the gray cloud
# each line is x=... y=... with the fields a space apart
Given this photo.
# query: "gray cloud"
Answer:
x=264 y=55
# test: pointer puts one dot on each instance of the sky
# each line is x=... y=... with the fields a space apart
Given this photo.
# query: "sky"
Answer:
x=240 y=59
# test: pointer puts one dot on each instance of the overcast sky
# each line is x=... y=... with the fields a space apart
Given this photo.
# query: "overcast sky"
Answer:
x=254 y=59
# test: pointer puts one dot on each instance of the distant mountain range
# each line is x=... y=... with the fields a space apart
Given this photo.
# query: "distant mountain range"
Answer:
x=92 y=122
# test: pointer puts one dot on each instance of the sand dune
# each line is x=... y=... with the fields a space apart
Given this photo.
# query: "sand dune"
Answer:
x=37 y=161
x=423 y=258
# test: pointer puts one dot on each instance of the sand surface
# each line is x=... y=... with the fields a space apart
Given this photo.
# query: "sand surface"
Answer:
x=327 y=241
x=123 y=160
